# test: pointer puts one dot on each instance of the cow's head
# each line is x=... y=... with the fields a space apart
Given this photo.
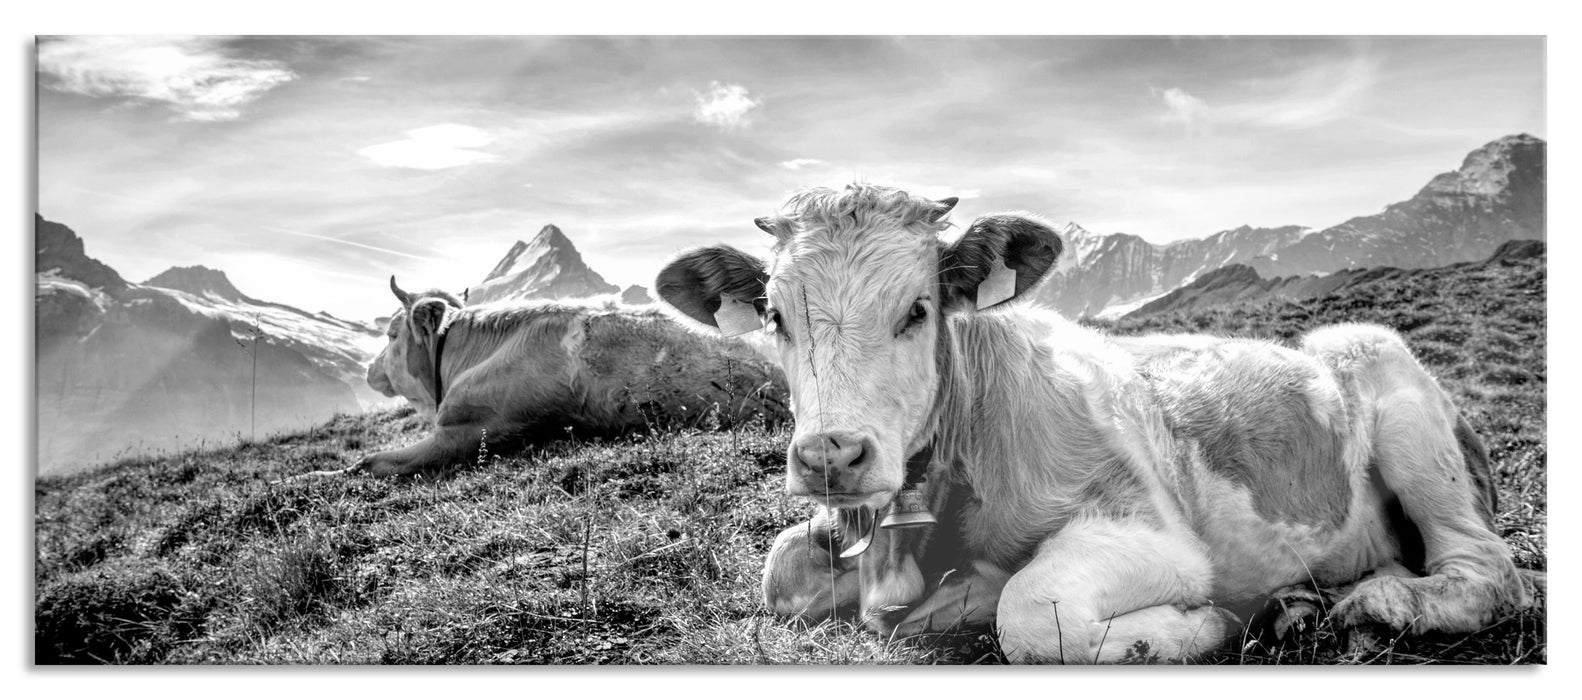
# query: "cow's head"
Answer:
x=856 y=294
x=407 y=366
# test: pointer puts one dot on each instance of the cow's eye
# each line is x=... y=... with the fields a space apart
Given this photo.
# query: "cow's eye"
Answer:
x=776 y=325
x=915 y=316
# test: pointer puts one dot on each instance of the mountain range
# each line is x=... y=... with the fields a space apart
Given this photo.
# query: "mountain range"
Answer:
x=1498 y=194
x=1105 y=276
x=1234 y=284
x=124 y=368
x=338 y=346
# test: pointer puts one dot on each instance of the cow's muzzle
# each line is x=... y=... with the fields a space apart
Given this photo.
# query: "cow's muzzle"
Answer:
x=379 y=381
x=829 y=466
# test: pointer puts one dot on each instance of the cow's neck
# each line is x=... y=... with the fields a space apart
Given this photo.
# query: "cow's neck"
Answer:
x=1005 y=433
x=947 y=430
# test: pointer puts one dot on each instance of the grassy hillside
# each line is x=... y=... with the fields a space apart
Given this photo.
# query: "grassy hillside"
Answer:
x=641 y=550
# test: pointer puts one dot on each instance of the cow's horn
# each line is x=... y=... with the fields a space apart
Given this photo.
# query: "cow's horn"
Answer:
x=945 y=205
x=406 y=299
x=767 y=225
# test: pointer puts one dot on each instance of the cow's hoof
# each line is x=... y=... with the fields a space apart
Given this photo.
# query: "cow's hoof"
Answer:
x=372 y=465
x=1386 y=601
x=1365 y=639
x=1535 y=588
x=1296 y=610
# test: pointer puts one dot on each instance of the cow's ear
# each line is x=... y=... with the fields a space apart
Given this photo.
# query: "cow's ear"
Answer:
x=427 y=318
x=711 y=288
x=1000 y=258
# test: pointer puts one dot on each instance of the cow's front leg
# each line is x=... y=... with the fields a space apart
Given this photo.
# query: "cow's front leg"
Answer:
x=803 y=579
x=1106 y=591
x=965 y=597
x=446 y=445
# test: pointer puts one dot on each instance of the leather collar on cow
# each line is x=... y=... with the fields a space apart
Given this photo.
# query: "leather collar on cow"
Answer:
x=435 y=353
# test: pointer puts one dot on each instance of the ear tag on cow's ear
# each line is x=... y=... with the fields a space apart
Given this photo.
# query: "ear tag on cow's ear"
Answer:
x=736 y=317
x=998 y=286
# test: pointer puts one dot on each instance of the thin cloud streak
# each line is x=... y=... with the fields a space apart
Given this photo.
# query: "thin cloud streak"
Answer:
x=364 y=246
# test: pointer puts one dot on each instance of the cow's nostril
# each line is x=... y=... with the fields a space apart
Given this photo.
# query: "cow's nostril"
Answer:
x=830 y=452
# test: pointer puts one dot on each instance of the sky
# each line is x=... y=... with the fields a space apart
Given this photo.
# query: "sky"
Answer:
x=310 y=169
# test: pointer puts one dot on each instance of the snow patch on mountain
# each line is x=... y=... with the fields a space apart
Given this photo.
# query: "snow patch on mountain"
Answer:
x=51 y=281
x=350 y=346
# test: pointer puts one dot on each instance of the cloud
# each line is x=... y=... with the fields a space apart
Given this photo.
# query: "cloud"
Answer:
x=800 y=163
x=934 y=191
x=1313 y=96
x=191 y=75
x=1182 y=107
x=433 y=148
x=726 y=106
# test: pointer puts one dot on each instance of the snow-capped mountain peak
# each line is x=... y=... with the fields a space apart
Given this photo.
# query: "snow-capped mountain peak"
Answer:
x=1081 y=245
x=546 y=267
x=550 y=245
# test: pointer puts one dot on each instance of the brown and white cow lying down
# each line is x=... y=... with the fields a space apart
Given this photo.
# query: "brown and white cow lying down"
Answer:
x=512 y=370
x=1097 y=496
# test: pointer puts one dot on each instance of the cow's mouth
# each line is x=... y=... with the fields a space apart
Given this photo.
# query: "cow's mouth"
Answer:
x=853 y=528
x=872 y=500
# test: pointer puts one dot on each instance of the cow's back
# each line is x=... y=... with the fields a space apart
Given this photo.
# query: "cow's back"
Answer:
x=1265 y=417
x=644 y=368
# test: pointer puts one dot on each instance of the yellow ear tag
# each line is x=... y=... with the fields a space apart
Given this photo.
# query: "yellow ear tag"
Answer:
x=736 y=317
x=999 y=286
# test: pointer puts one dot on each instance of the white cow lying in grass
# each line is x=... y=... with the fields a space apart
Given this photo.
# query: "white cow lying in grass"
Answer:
x=1098 y=497
x=511 y=371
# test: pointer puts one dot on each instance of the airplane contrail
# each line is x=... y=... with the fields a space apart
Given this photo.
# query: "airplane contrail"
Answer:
x=343 y=242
